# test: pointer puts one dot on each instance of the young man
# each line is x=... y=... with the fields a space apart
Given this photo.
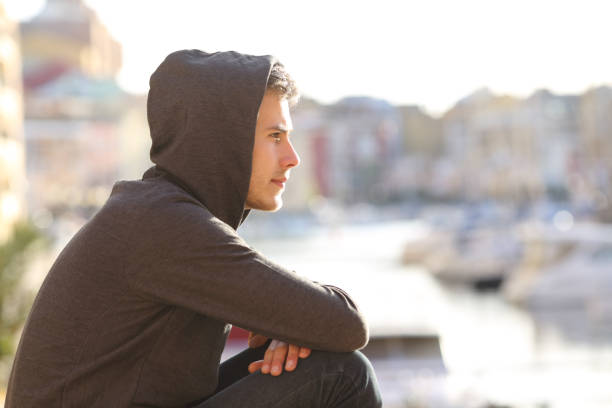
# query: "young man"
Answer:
x=136 y=309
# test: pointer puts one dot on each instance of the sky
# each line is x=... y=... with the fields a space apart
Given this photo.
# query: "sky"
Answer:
x=429 y=53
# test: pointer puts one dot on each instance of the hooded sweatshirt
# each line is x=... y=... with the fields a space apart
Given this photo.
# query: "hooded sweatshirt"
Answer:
x=136 y=309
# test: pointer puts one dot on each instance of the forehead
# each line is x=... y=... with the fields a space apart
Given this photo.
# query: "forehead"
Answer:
x=273 y=110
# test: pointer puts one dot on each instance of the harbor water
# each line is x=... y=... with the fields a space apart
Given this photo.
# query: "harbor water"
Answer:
x=492 y=353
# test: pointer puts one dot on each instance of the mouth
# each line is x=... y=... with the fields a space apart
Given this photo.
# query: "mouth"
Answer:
x=280 y=182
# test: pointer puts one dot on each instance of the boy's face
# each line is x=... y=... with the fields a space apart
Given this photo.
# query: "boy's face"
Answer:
x=273 y=154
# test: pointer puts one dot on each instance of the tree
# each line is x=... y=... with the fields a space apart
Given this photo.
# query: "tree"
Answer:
x=14 y=304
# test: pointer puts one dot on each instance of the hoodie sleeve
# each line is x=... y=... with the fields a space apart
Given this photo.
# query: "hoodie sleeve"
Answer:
x=197 y=262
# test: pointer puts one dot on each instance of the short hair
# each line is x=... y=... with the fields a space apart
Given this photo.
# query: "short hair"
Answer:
x=281 y=83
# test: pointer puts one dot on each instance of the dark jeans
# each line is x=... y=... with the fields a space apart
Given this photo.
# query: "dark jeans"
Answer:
x=324 y=379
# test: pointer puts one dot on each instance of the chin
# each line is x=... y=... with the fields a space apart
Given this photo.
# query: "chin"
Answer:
x=273 y=207
x=268 y=206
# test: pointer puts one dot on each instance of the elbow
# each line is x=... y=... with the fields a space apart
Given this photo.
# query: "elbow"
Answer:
x=361 y=335
x=356 y=335
x=349 y=330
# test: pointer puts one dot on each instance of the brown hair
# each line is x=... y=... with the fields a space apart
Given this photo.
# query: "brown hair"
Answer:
x=281 y=83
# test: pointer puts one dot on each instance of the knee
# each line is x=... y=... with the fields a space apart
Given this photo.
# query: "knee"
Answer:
x=361 y=369
x=356 y=364
x=356 y=367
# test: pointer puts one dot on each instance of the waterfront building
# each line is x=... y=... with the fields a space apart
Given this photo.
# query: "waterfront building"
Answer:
x=12 y=160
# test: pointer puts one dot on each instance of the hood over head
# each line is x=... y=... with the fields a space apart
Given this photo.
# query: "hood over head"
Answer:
x=202 y=112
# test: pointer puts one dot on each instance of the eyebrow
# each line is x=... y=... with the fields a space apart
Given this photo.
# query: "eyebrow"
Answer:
x=280 y=128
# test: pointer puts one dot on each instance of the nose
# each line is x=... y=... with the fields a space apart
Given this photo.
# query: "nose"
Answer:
x=290 y=157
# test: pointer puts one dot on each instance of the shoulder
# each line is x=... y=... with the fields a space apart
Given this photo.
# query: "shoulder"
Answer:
x=150 y=197
x=159 y=208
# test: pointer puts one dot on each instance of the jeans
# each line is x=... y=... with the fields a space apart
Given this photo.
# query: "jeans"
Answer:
x=324 y=379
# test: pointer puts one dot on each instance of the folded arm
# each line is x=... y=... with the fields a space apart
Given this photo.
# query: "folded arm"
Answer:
x=203 y=265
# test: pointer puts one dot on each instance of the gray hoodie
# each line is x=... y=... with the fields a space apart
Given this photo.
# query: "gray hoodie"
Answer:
x=136 y=309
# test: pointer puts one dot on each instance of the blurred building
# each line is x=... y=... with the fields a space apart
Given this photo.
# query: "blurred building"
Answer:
x=350 y=153
x=68 y=35
x=553 y=122
x=593 y=164
x=511 y=149
x=12 y=168
x=421 y=133
x=362 y=141
x=423 y=147
x=479 y=134
x=74 y=109
x=487 y=146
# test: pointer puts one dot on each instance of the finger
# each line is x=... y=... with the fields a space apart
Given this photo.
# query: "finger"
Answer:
x=292 y=357
x=257 y=340
x=255 y=365
x=251 y=334
x=269 y=354
x=278 y=359
x=304 y=352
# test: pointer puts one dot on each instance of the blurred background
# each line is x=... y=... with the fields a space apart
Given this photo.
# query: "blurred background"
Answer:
x=456 y=172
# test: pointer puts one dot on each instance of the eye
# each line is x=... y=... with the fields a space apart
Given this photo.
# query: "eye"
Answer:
x=277 y=137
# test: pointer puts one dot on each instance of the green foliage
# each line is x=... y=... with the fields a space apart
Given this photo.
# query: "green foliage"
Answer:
x=14 y=305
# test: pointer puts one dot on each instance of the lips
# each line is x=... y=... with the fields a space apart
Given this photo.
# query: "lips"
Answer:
x=280 y=182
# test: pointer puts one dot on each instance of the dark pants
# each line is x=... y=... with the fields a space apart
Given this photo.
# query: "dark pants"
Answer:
x=324 y=379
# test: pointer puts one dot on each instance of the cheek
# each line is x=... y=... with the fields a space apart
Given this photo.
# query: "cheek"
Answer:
x=258 y=171
x=263 y=158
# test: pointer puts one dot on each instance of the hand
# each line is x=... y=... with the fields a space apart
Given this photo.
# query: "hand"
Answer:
x=277 y=355
x=256 y=340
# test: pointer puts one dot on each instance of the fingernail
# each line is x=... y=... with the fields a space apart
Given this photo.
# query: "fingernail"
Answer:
x=276 y=369
x=265 y=368
x=290 y=365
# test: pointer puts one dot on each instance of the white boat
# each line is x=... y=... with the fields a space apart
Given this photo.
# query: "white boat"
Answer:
x=563 y=269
